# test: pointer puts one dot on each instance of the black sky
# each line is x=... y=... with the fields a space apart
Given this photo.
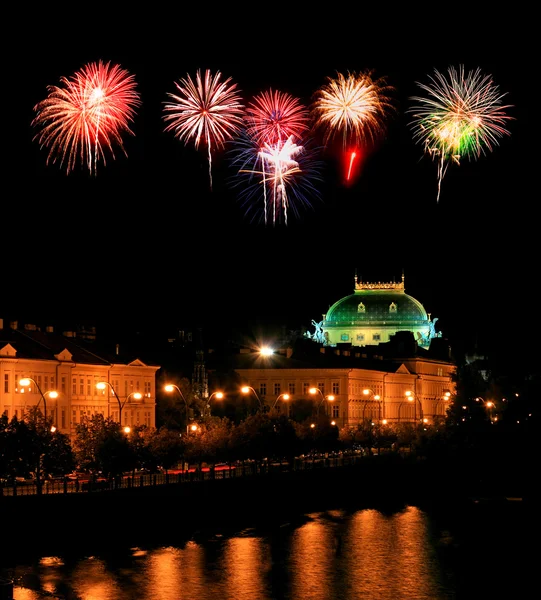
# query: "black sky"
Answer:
x=147 y=241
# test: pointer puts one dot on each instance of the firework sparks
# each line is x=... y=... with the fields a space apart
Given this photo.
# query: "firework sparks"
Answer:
x=282 y=173
x=462 y=115
x=206 y=110
x=274 y=117
x=85 y=116
x=354 y=107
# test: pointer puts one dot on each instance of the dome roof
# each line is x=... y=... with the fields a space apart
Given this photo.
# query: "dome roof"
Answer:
x=373 y=314
x=385 y=307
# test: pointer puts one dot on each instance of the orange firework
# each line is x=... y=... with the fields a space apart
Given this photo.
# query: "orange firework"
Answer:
x=354 y=107
x=86 y=115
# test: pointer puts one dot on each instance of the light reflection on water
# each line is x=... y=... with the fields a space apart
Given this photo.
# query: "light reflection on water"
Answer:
x=366 y=554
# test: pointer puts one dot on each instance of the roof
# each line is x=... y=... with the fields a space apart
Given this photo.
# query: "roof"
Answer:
x=34 y=344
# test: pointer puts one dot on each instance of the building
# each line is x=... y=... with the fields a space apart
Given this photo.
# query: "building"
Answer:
x=374 y=313
x=376 y=355
x=63 y=370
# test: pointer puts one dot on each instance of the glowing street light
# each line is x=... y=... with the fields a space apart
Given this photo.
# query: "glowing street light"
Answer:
x=246 y=389
x=25 y=382
x=101 y=385
x=285 y=396
x=218 y=395
x=372 y=396
x=444 y=399
x=170 y=387
x=488 y=404
x=411 y=397
x=314 y=391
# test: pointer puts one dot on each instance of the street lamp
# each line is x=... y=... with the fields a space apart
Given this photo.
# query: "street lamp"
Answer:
x=284 y=396
x=246 y=389
x=171 y=387
x=488 y=404
x=101 y=385
x=219 y=395
x=314 y=391
x=373 y=396
x=411 y=397
x=445 y=398
x=25 y=382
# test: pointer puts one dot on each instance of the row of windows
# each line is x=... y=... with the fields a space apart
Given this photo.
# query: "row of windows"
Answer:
x=360 y=337
x=81 y=386
x=292 y=388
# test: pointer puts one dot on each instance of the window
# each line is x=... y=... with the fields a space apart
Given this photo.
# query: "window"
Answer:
x=344 y=337
x=360 y=337
x=335 y=411
x=305 y=387
x=148 y=389
x=335 y=387
x=81 y=386
x=376 y=337
x=63 y=385
x=89 y=387
x=63 y=419
x=6 y=383
x=361 y=308
x=392 y=307
x=74 y=386
x=262 y=389
x=291 y=388
x=321 y=386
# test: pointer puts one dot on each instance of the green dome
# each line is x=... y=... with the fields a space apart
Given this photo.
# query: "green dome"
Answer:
x=373 y=314
x=377 y=308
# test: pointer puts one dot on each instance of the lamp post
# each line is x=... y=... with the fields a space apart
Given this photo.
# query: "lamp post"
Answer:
x=101 y=385
x=219 y=395
x=25 y=382
x=445 y=398
x=411 y=397
x=246 y=389
x=329 y=398
x=284 y=397
x=170 y=387
x=373 y=396
x=488 y=404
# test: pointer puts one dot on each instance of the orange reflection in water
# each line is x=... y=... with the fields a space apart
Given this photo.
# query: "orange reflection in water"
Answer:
x=311 y=561
x=246 y=565
x=389 y=555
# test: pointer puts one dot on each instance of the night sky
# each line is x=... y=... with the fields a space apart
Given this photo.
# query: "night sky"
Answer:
x=146 y=240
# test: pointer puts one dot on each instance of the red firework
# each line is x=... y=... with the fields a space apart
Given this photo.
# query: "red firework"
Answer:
x=274 y=117
x=86 y=115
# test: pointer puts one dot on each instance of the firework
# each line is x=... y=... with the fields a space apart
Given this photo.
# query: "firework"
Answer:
x=206 y=110
x=274 y=117
x=282 y=175
x=354 y=107
x=88 y=113
x=462 y=115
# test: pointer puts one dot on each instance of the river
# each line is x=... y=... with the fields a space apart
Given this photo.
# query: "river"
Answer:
x=480 y=549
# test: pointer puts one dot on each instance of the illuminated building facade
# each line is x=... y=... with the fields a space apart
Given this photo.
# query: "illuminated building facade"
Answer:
x=71 y=367
x=376 y=353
